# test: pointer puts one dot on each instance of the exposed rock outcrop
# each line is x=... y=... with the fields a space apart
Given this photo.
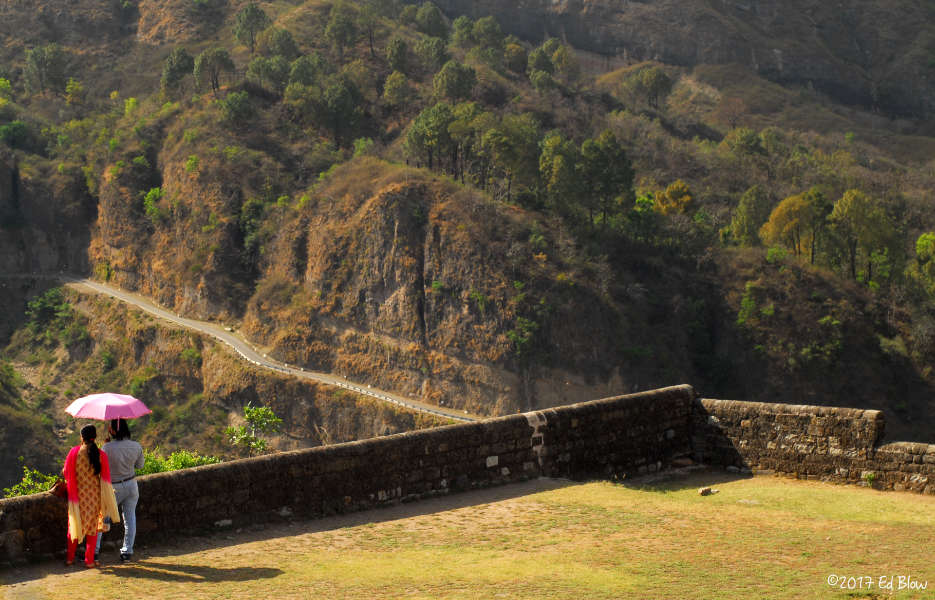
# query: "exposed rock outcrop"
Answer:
x=44 y=221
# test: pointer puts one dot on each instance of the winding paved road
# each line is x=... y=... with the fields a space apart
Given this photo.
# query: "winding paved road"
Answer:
x=244 y=348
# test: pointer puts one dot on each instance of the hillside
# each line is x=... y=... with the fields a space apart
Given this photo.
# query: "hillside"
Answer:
x=872 y=53
x=495 y=222
x=78 y=344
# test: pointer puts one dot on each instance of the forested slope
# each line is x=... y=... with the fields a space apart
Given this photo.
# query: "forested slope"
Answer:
x=492 y=222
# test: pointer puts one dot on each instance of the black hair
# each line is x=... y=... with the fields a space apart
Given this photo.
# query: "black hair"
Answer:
x=88 y=435
x=120 y=428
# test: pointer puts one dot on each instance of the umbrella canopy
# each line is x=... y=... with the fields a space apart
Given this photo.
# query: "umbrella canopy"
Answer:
x=104 y=407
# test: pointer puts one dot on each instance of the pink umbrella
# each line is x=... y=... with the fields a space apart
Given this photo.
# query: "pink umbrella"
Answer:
x=104 y=407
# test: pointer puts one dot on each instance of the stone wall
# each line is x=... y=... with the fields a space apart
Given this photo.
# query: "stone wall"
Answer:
x=809 y=442
x=609 y=438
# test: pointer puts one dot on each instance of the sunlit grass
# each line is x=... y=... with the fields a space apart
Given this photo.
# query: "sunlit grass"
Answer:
x=756 y=538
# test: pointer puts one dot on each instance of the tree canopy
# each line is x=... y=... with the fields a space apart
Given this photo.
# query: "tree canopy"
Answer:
x=210 y=64
x=45 y=69
x=454 y=81
x=249 y=22
x=751 y=213
x=341 y=30
x=178 y=65
x=430 y=21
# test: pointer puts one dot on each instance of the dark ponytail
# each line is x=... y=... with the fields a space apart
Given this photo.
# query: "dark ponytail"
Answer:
x=88 y=435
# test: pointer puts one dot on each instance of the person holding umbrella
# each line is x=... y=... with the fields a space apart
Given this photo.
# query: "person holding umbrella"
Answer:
x=126 y=456
x=90 y=495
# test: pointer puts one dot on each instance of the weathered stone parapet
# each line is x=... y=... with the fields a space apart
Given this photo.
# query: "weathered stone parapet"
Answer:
x=810 y=442
x=606 y=438
x=904 y=466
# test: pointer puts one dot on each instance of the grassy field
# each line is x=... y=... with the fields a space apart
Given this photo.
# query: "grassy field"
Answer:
x=756 y=538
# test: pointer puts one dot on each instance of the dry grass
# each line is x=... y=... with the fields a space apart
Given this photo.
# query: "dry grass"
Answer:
x=757 y=538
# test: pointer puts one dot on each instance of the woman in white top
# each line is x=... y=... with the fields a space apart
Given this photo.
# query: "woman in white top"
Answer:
x=126 y=456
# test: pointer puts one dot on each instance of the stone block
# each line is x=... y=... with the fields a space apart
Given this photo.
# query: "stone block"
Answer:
x=12 y=544
x=205 y=501
x=501 y=447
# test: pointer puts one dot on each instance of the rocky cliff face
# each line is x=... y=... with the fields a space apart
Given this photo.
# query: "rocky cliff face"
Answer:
x=395 y=277
x=44 y=221
x=190 y=260
x=869 y=52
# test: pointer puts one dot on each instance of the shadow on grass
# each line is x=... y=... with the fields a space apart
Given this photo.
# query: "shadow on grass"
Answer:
x=154 y=549
x=678 y=480
x=170 y=573
x=427 y=506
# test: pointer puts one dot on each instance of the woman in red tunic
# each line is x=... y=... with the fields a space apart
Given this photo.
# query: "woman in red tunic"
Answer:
x=90 y=495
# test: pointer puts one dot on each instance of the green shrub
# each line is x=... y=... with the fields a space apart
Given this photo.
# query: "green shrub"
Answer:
x=233 y=153
x=33 y=482
x=10 y=383
x=140 y=379
x=108 y=360
x=522 y=336
x=74 y=334
x=261 y=420
x=153 y=462
x=236 y=108
x=52 y=320
x=151 y=205
x=479 y=299
x=129 y=106
x=747 y=303
x=141 y=163
x=776 y=254
x=362 y=146
x=15 y=134
x=191 y=356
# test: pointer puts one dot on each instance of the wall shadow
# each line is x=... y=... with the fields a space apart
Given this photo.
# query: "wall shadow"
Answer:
x=153 y=568
x=396 y=512
x=678 y=480
x=148 y=569
x=710 y=443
